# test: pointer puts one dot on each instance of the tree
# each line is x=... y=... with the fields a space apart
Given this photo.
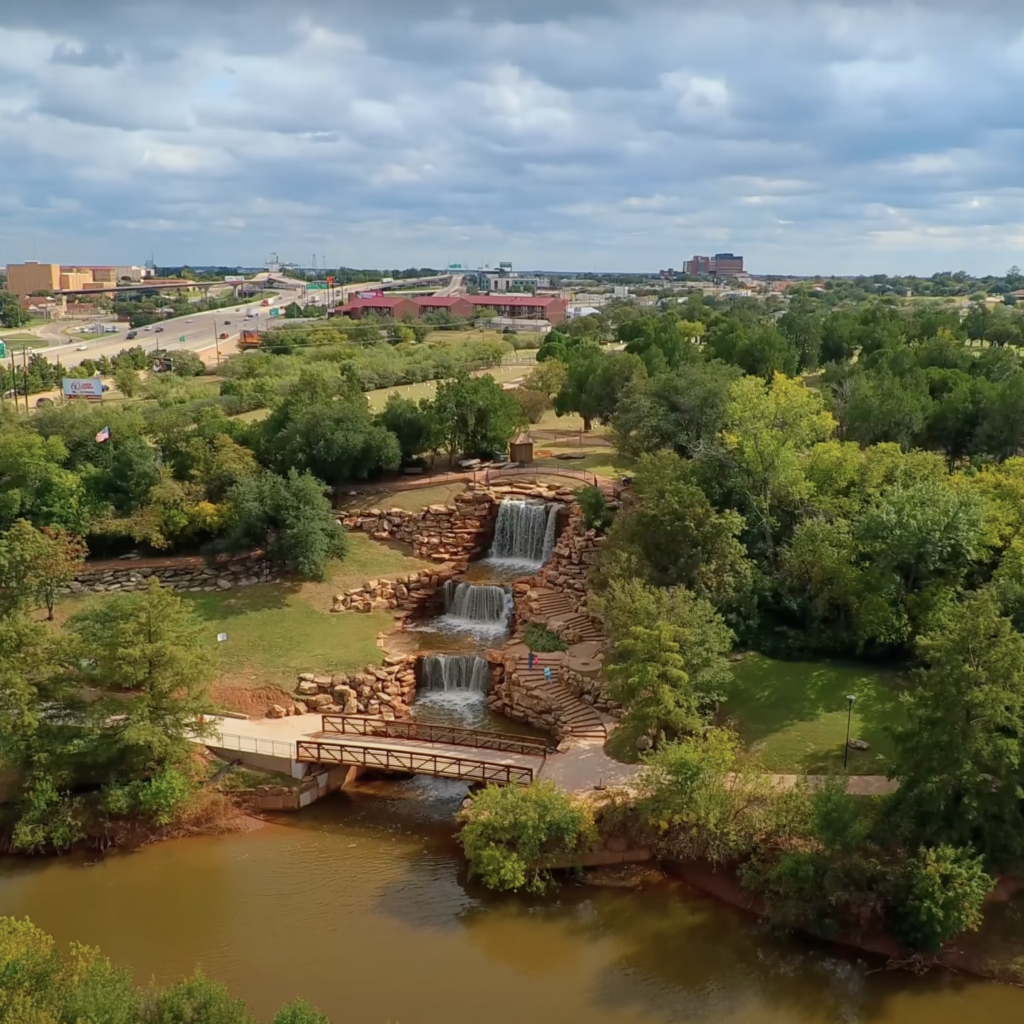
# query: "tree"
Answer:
x=325 y=427
x=413 y=424
x=944 y=889
x=509 y=831
x=959 y=757
x=670 y=672
x=768 y=426
x=474 y=416
x=127 y=379
x=11 y=313
x=149 y=641
x=289 y=518
x=594 y=382
x=704 y=555
x=683 y=410
x=35 y=565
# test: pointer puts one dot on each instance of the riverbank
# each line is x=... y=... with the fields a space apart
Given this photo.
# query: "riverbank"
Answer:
x=371 y=880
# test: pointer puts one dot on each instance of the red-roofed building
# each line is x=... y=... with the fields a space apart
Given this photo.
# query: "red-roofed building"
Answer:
x=457 y=306
x=531 y=307
x=463 y=307
x=398 y=308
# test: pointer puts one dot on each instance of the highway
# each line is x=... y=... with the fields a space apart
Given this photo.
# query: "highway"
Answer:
x=201 y=331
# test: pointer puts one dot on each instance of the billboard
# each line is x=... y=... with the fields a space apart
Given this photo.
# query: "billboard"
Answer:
x=82 y=387
x=234 y=280
x=370 y=295
x=316 y=286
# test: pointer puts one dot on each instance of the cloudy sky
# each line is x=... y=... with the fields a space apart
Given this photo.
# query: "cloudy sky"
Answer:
x=834 y=137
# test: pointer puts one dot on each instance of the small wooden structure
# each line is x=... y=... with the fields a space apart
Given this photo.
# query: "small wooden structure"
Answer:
x=520 y=449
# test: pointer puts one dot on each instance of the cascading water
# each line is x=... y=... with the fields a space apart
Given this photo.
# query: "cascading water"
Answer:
x=470 y=606
x=524 y=534
x=460 y=673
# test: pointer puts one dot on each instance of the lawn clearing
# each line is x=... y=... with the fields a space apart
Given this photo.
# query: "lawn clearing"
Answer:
x=276 y=631
x=794 y=713
x=411 y=500
x=379 y=397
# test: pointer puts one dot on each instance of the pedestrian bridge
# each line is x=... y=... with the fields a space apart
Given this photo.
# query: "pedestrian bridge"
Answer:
x=420 y=748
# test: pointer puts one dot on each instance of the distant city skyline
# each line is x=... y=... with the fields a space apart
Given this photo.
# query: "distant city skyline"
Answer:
x=825 y=137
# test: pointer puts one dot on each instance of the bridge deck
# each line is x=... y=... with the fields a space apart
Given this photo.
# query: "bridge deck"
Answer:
x=300 y=739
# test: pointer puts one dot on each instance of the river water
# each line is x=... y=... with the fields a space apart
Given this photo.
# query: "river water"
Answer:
x=361 y=904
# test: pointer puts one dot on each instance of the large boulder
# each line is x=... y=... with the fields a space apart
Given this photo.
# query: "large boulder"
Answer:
x=307 y=688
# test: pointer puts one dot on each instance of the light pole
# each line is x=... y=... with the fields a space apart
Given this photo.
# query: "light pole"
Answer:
x=850 y=698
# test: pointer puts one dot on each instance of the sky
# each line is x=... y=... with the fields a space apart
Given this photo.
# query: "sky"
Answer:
x=810 y=137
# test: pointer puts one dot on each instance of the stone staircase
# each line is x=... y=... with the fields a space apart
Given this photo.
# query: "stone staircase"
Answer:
x=576 y=719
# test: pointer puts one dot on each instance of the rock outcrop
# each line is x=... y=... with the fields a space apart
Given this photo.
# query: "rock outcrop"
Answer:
x=380 y=690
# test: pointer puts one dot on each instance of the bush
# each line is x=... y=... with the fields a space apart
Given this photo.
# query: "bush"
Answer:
x=596 y=513
x=542 y=640
x=510 y=832
x=944 y=889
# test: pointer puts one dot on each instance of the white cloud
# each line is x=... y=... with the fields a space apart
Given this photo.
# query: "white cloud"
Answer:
x=808 y=134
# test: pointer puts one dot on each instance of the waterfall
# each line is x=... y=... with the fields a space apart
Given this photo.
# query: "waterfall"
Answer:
x=487 y=605
x=524 y=533
x=459 y=672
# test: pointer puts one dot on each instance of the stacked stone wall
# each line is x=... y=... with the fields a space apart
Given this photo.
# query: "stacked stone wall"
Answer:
x=383 y=691
x=191 y=575
x=415 y=593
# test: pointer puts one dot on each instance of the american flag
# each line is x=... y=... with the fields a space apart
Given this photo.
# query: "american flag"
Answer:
x=103 y=435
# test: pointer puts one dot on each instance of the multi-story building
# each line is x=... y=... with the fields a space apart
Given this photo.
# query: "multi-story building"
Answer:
x=723 y=264
x=25 y=278
x=73 y=280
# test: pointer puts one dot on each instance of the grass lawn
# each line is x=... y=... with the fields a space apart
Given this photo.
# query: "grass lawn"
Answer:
x=411 y=501
x=18 y=340
x=276 y=631
x=606 y=462
x=378 y=398
x=794 y=713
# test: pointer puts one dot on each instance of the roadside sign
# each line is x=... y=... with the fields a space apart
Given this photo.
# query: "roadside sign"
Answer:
x=330 y=280
x=82 y=387
x=275 y=312
x=3 y=350
x=316 y=286
x=182 y=339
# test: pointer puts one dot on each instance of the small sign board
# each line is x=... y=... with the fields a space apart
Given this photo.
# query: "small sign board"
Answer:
x=3 y=350
x=82 y=387
x=221 y=637
x=274 y=312
x=182 y=339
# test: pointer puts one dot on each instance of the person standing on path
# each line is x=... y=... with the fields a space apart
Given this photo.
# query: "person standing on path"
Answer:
x=529 y=661
x=547 y=673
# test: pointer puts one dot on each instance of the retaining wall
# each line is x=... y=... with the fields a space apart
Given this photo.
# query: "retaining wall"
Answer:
x=191 y=574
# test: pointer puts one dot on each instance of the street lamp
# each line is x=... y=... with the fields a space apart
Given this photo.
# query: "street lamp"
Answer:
x=850 y=698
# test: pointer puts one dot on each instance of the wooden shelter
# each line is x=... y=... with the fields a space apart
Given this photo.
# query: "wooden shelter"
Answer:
x=520 y=449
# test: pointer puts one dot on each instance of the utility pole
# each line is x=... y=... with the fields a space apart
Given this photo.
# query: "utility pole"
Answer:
x=24 y=373
x=14 y=383
x=216 y=339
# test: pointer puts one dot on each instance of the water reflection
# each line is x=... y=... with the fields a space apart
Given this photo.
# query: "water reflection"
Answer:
x=362 y=904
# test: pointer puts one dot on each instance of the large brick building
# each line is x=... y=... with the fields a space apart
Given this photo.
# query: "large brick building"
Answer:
x=722 y=264
x=462 y=307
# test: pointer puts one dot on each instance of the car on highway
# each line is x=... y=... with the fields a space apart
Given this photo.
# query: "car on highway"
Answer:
x=159 y=330
x=224 y=336
x=226 y=322
x=82 y=348
x=189 y=321
x=130 y=335
x=147 y=328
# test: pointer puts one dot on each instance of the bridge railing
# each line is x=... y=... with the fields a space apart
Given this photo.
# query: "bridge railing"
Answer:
x=445 y=766
x=251 y=744
x=428 y=732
